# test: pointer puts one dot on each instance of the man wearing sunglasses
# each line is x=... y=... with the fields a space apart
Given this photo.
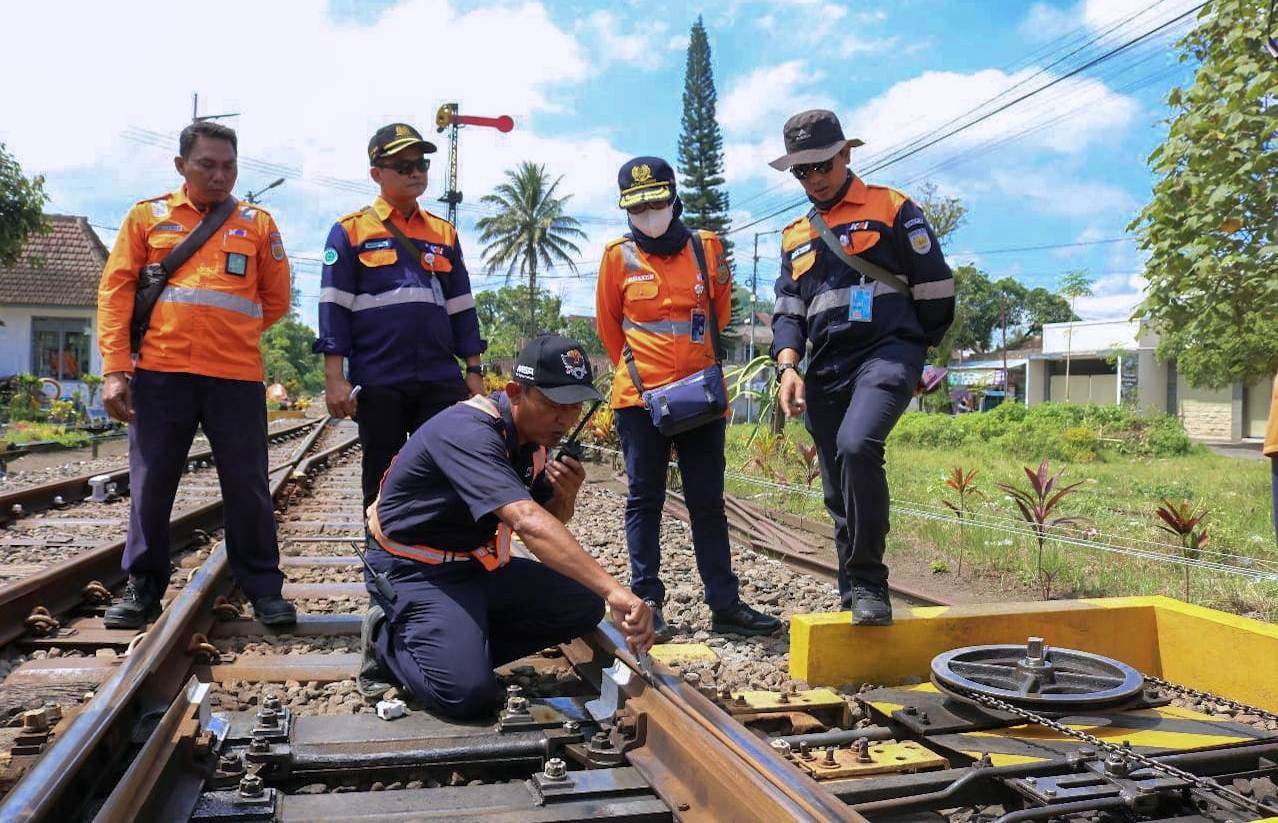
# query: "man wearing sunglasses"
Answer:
x=863 y=280
x=395 y=304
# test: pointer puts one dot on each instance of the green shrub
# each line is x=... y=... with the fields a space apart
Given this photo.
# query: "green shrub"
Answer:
x=929 y=430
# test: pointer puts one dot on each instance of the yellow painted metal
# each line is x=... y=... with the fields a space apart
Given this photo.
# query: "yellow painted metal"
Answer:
x=683 y=653
x=887 y=757
x=1232 y=656
x=753 y=702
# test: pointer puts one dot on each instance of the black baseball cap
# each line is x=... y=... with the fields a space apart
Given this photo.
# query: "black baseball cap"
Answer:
x=558 y=367
x=645 y=180
x=395 y=138
x=812 y=136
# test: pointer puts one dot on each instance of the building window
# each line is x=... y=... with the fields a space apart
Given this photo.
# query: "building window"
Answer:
x=59 y=347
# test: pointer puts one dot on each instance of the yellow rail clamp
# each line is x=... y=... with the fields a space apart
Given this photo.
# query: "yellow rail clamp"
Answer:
x=683 y=653
x=748 y=702
x=1232 y=656
x=887 y=757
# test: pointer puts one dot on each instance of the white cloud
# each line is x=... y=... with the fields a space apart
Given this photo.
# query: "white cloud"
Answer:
x=1045 y=22
x=1070 y=196
x=643 y=45
x=766 y=96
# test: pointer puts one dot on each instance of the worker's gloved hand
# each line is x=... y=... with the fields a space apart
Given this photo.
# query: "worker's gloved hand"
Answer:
x=566 y=476
x=117 y=398
x=633 y=617
x=337 y=396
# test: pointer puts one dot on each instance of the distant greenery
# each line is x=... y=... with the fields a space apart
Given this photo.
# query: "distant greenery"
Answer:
x=503 y=321
x=26 y=431
x=21 y=208
x=287 y=357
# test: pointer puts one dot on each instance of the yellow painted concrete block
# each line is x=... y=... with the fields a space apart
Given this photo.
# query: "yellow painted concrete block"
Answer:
x=683 y=653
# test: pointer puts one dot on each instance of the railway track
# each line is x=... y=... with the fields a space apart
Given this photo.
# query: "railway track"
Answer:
x=209 y=716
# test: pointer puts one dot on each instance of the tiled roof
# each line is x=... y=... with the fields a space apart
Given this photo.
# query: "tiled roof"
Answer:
x=60 y=268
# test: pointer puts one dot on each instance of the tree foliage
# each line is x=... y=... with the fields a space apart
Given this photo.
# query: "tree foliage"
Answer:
x=287 y=357
x=503 y=311
x=1210 y=229
x=944 y=214
x=530 y=232
x=980 y=303
x=705 y=198
x=21 y=208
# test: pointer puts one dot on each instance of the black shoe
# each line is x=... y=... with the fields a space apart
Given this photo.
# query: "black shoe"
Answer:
x=741 y=619
x=373 y=679
x=273 y=610
x=661 y=631
x=139 y=606
x=871 y=605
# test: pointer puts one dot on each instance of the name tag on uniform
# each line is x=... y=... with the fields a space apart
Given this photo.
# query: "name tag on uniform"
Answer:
x=236 y=263
x=861 y=303
x=698 y=330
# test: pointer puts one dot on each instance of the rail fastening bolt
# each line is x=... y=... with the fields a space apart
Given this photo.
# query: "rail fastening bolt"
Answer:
x=805 y=750
x=600 y=740
x=251 y=786
x=267 y=717
x=58 y=501
x=572 y=726
x=829 y=756
x=259 y=745
x=911 y=710
x=556 y=769
x=781 y=747
x=783 y=698
x=272 y=702
x=517 y=705
x=16 y=509
x=691 y=678
x=229 y=763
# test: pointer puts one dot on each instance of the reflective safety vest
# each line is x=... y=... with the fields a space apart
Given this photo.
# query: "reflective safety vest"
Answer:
x=650 y=302
x=217 y=304
x=491 y=555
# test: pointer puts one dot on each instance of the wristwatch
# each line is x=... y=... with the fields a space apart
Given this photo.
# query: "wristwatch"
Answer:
x=782 y=367
x=479 y=370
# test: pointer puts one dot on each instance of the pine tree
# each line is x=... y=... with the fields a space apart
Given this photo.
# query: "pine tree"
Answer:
x=705 y=200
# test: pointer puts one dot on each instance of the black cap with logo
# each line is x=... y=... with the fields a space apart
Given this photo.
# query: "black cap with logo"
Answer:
x=645 y=180
x=558 y=367
x=812 y=136
x=395 y=138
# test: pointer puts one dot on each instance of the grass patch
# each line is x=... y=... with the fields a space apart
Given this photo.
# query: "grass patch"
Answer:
x=23 y=432
x=1123 y=482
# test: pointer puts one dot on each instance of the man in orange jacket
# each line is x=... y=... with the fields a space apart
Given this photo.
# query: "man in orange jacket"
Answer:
x=199 y=365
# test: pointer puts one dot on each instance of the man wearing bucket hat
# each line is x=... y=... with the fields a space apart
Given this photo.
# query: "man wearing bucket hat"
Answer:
x=864 y=282
x=440 y=531
x=664 y=293
x=396 y=308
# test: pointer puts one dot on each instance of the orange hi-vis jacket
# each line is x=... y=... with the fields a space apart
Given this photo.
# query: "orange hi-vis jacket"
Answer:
x=215 y=307
x=1271 y=433
x=648 y=301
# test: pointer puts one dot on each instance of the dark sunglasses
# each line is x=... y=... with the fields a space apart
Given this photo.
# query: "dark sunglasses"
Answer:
x=407 y=167
x=640 y=208
x=802 y=170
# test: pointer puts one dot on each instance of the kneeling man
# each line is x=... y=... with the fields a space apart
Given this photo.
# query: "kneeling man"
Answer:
x=440 y=532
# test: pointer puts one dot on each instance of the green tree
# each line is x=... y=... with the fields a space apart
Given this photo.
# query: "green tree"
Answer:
x=287 y=357
x=1074 y=284
x=1209 y=228
x=531 y=231
x=22 y=201
x=503 y=312
x=582 y=329
x=944 y=214
x=1042 y=306
x=705 y=198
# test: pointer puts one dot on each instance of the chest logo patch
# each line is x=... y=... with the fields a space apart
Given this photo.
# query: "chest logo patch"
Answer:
x=920 y=241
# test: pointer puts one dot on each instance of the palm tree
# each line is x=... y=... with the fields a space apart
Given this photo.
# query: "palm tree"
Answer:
x=1074 y=284
x=530 y=230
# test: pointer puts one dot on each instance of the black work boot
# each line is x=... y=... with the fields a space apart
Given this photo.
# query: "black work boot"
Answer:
x=743 y=620
x=274 y=610
x=871 y=604
x=139 y=606
x=661 y=631
x=373 y=679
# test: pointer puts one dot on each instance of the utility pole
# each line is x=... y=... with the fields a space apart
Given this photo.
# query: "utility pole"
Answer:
x=754 y=285
x=1002 y=316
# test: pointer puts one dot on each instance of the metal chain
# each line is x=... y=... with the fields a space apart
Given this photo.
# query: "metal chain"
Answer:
x=1186 y=691
x=1202 y=784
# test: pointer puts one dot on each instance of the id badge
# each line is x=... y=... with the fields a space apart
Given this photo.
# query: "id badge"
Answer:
x=861 y=304
x=236 y=263
x=698 y=325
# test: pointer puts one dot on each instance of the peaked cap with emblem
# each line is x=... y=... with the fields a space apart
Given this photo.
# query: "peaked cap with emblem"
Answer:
x=645 y=180
x=558 y=367
x=812 y=136
x=395 y=138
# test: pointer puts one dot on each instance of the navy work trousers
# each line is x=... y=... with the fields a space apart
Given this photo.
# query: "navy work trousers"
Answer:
x=387 y=417
x=850 y=428
x=167 y=407
x=701 y=464
x=452 y=623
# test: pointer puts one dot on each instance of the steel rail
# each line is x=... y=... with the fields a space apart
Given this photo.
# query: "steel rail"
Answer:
x=697 y=758
x=143 y=686
x=72 y=489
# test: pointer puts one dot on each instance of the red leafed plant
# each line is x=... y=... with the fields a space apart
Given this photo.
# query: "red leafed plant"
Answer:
x=811 y=468
x=961 y=482
x=1037 y=505
x=1183 y=520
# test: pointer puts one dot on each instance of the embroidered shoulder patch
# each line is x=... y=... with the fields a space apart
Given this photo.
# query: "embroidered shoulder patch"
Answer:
x=920 y=241
x=330 y=256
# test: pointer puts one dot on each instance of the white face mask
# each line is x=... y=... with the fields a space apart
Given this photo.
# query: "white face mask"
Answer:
x=653 y=223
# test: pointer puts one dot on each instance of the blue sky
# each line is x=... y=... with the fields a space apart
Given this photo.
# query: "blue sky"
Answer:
x=590 y=84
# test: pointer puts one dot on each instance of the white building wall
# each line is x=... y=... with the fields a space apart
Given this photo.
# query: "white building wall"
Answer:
x=1090 y=335
x=15 y=339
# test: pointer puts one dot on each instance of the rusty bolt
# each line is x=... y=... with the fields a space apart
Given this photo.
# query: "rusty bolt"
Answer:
x=781 y=747
x=862 y=749
x=272 y=701
x=259 y=745
x=556 y=769
x=40 y=622
x=230 y=763
x=691 y=678
x=95 y=592
x=739 y=700
x=251 y=786
x=224 y=609
x=268 y=717
x=203 y=743
x=805 y=750
x=202 y=650
x=829 y=756
x=783 y=698
x=683 y=807
x=725 y=693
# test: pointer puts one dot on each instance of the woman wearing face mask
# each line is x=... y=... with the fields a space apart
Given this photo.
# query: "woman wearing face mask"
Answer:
x=654 y=304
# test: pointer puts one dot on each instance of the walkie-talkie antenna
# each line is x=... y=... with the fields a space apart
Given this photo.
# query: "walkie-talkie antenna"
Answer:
x=385 y=594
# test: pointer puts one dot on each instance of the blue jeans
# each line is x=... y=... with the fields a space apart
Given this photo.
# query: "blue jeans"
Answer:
x=850 y=429
x=701 y=464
